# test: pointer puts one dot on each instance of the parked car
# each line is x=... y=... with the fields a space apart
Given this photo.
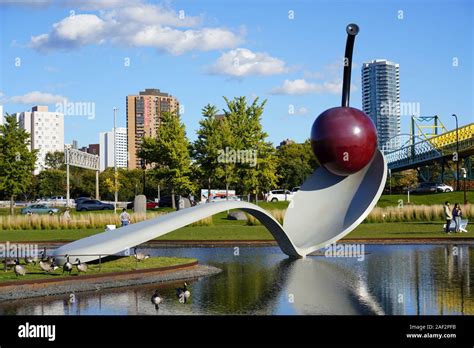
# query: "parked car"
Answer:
x=295 y=189
x=279 y=196
x=426 y=187
x=223 y=198
x=93 y=204
x=39 y=209
x=55 y=201
x=82 y=199
x=149 y=205
x=444 y=188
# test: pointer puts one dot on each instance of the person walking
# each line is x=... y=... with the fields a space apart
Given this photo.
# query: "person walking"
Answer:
x=447 y=216
x=66 y=216
x=457 y=213
x=124 y=218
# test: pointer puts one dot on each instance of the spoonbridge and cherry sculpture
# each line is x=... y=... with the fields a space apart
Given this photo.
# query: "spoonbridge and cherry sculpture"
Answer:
x=332 y=202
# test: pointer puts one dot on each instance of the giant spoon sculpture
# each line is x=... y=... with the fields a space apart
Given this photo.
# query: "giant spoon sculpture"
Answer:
x=333 y=201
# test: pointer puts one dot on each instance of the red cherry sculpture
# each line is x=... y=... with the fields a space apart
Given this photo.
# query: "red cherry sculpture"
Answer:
x=344 y=139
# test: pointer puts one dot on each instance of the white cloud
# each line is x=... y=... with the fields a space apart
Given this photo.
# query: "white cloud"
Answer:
x=35 y=97
x=137 y=25
x=301 y=87
x=242 y=62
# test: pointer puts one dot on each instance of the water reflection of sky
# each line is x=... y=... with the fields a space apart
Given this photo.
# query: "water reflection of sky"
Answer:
x=392 y=279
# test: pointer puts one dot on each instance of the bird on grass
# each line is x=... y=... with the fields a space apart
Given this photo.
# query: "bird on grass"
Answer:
x=140 y=256
x=183 y=293
x=9 y=262
x=45 y=257
x=156 y=299
x=81 y=267
x=19 y=269
x=31 y=260
x=67 y=267
x=47 y=267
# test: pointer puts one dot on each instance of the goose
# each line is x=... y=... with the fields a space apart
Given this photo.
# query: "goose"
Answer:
x=47 y=267
x=140 y=256
x=67 y=267
x=183 y=293
x=45 y=257
x=9 y=262
x=31 y=259
x=19 y=269
x=81 y=267
x=156 y=299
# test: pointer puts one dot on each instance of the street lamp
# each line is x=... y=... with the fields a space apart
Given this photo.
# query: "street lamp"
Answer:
x=457 y=153
x=115 y=160
x=464 y=175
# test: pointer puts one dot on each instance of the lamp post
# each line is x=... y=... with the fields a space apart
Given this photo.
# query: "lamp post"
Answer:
x=457 y=153
x=464 y=175
x=115 y=160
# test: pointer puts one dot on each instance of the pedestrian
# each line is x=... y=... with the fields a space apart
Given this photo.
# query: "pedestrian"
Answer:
x=66 y=216
x=124 y=218
x=447 y=216
x=457 y=213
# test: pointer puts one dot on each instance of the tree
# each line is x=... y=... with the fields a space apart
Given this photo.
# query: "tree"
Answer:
x=17 y=162
x=55 y=160
x=295 y=163
x=169 y=153
x=259 y=170
x=51 y=182
x=214 y=136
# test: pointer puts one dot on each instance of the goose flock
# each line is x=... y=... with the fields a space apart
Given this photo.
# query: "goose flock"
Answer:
x=182 y=294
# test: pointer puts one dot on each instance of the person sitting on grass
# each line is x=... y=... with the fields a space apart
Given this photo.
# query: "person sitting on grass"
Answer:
x=124 y=217
x=457 y=213
x=447 y=216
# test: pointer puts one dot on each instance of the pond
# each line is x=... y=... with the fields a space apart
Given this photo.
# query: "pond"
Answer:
x=387 y=279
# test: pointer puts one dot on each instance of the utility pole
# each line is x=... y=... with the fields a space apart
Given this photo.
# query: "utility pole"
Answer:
x=115 y=160
x=457 y=152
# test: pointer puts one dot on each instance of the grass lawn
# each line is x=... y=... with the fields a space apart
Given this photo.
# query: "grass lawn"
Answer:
x=429 y=199
x=224 y=229
x=117 y=265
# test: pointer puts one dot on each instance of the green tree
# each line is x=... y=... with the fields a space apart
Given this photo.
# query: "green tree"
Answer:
x=295 y=163
x=55 y=160
x=169 y=153
x=259 y=170
x=17 y=162
x=51 y=182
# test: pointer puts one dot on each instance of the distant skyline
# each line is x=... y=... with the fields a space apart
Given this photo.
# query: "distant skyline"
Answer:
x=94 y=53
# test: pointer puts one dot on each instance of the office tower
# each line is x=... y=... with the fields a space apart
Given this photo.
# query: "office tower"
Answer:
x=1 y=115
x=381 y=100
x=143 y=119
x=46 y=131
x=106 y=148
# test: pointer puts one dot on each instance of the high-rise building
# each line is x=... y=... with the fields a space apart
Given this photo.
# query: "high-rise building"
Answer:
x=46 y=131
x=381 y=99
x=144 y=117
x=93 y=149
x=1 y=115
x=106 y=148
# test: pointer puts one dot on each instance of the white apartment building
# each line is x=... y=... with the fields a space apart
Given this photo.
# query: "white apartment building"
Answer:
x=381 y=99
x=46 y=131
x=106 y=148
x=1 y=115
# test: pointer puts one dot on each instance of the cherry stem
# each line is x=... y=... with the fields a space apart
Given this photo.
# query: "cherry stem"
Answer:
x=352 y=30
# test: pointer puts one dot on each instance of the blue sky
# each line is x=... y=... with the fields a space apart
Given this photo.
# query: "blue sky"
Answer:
x=230 y=48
